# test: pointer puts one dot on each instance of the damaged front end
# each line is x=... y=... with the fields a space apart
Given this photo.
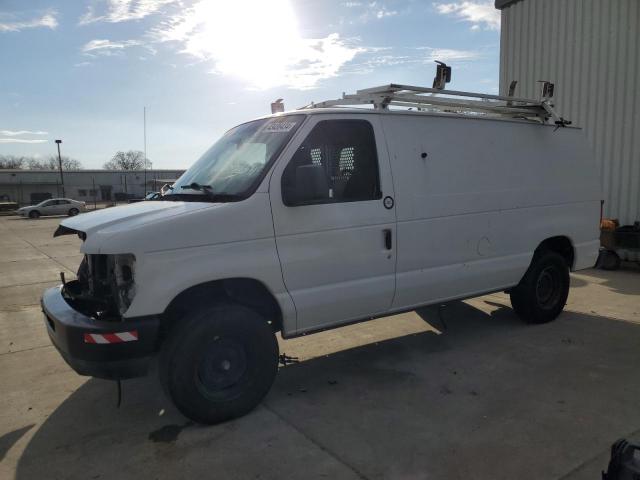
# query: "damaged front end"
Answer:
x=105 y=286
x=85 y=318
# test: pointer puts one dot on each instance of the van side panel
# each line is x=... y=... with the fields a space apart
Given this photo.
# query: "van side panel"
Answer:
x=472 y=212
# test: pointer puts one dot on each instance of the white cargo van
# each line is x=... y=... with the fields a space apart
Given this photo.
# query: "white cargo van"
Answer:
x=320 y=217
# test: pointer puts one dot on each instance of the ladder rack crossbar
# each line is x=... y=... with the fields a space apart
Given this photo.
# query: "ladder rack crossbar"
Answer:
x=394 y=88
x=418 y=101
x=456 y=109
x=449 y=101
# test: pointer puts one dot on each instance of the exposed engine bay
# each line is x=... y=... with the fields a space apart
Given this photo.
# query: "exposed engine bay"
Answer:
x=105 y=286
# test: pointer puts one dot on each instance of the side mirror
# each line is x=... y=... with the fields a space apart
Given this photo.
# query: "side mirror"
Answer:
x=311 y=184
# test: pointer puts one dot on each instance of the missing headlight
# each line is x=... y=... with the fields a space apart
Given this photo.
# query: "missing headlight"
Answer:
x=123 y=272
x=105 y=286
x=127 y=274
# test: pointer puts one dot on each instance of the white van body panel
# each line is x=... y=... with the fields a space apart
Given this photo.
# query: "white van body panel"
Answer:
x=334 y=261
x=472 y=212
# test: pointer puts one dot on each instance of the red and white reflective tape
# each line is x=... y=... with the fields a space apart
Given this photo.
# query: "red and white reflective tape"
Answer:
x=119 y=337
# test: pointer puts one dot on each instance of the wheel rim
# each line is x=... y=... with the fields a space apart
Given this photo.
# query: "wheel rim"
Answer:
x=221 y=368
x=548 y=287
x=73 y=212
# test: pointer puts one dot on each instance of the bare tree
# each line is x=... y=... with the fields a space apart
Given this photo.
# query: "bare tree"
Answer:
x=131 y=160
x=12 y=162
x=51 y=163
x=34 y=163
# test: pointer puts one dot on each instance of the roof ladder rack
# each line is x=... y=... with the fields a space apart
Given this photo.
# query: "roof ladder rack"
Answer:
x=449 y=101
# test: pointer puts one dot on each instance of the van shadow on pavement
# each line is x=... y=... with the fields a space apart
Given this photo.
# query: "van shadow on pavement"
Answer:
x=489 y=398
x=624 y=280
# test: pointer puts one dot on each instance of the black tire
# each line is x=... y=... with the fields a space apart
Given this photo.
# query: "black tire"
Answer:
x=73 y=212
x=34 y=214
x=608 y=260
x=219 y=363
x=542 y=293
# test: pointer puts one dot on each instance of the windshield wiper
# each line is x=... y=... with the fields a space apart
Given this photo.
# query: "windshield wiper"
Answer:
x=196 y=186
x=208 y=191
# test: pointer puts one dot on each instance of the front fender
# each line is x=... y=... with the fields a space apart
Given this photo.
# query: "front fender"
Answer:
x=167 y=274
x=235 y=240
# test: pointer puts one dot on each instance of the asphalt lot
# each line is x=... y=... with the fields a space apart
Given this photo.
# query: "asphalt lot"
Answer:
x=483 y=396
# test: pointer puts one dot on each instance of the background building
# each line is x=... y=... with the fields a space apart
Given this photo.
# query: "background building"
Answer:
x=590 y=49
x=33 y=186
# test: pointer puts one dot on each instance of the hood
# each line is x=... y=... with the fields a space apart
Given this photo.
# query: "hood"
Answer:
x=151 y=227
x=127 y=216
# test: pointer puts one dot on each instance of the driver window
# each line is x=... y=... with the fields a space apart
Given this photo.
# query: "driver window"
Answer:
x=337 y=162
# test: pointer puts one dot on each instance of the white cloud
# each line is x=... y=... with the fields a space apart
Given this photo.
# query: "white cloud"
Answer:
x=115 y=11
x=15 y=133
x=383 y=12
x=451 y=55
x=263 y=48
x=10 y=24
x=21 y=140
x=107 y=47
x=368 y=11
x=478 y=13
x=375 y=58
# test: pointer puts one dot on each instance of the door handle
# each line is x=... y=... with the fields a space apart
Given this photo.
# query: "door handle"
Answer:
x=387 y=238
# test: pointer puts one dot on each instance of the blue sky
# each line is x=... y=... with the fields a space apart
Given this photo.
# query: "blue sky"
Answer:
x=83 y=71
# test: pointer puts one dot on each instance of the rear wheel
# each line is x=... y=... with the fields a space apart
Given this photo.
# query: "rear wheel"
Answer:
x=34 y=214
x=219 y=363
x=73 y=212
x=542 y=293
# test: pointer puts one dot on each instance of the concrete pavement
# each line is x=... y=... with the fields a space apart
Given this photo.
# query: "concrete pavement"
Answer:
x=477 y=395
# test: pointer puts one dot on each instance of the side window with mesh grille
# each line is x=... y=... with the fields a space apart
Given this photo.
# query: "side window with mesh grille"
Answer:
x=337 y=162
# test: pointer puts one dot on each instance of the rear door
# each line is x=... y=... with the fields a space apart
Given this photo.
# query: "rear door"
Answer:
x=62 y=206
x=334 y=234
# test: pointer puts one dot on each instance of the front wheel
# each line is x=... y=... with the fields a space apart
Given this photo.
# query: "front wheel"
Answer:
x=34 y=214
x=542 y=293
x=73 y=212
x=219 y=363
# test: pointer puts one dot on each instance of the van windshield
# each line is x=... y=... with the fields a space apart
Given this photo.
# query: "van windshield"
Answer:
x=234 y=165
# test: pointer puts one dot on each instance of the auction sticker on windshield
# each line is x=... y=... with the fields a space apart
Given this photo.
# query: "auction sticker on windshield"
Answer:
x=279 y=127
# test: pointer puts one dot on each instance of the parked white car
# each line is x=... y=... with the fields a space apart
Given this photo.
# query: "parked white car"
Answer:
x=317 y=218
x=53 y=206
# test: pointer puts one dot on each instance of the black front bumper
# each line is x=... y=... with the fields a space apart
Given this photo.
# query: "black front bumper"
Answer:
x=77 y=337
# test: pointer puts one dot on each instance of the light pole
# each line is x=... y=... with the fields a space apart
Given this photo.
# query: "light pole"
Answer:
x=60 y=165
x=144 y=113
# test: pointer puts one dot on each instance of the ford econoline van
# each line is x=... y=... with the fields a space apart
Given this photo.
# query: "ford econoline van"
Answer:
x=316 y=218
